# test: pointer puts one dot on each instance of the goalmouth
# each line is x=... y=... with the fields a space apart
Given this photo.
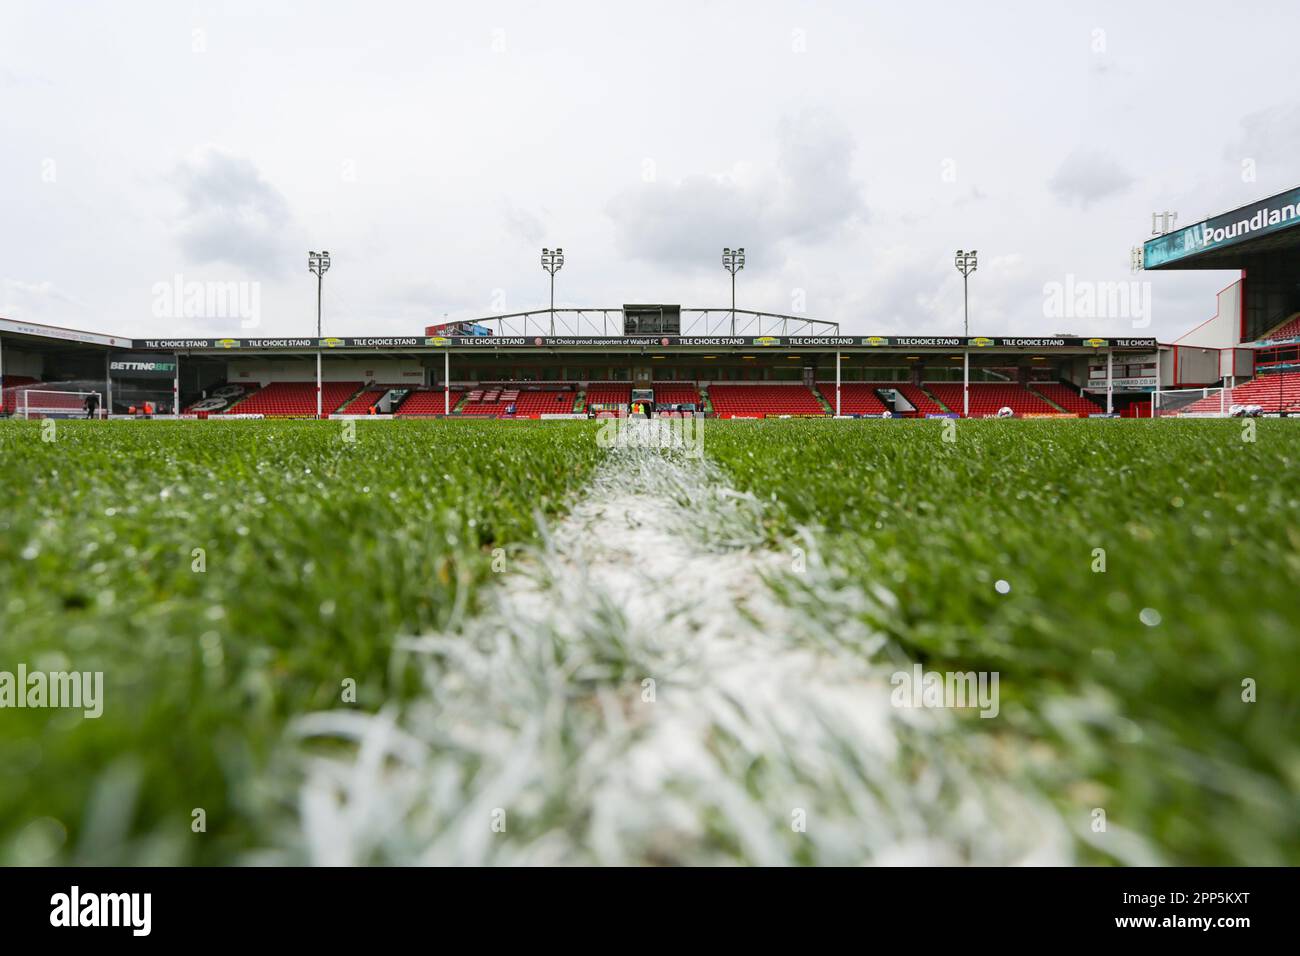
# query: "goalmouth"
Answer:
x=56 y=403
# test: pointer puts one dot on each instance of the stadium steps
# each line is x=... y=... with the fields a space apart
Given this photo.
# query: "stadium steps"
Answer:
x=856 y=398
x=934 y=398
x=826 y=405
x=234 y=409
x=363 y=390
x=405 y=398
x=1070 y=397
x=1047 y=399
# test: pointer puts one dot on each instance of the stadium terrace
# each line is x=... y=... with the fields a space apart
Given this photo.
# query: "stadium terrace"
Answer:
x=576 y=363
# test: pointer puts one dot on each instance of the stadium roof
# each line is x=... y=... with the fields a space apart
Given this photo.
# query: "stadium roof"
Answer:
x=1227 y=240
x=568 y=343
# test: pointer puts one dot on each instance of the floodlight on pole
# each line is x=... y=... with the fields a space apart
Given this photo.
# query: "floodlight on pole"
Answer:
x=318 y=263
x=966 y=263
x=1163 y=222
x=552 y=262
x=733 y=260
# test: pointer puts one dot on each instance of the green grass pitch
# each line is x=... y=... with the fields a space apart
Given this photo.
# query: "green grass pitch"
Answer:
x=1124 y=578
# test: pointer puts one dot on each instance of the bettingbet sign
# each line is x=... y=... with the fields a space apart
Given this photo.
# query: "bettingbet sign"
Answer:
x=141 y=365
x=1249 y=222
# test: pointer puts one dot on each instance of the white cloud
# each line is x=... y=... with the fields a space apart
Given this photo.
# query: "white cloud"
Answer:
x=1088 y=176
x=232 y=215
x=809 y=196
x=827 y=165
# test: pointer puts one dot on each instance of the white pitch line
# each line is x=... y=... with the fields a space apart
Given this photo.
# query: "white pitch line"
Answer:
x=766 y=737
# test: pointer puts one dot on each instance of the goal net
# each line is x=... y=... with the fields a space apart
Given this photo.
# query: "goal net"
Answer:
x=56 y=403
x=1194 y=403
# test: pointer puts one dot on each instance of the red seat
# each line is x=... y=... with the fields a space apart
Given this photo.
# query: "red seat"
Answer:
x=757 y=400
x=429 y=402
x=856 y=398
x=296 y=399
x=987 y=398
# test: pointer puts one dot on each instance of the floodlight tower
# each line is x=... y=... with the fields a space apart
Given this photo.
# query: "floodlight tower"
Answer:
x=552 y=262
x=319 y=264
x=733 y=260
x=966 y=264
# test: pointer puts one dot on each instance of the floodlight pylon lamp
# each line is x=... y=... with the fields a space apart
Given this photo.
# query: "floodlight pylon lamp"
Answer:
x=318 y=262
x=552 y=260
x=733 y=260
x=966 y=261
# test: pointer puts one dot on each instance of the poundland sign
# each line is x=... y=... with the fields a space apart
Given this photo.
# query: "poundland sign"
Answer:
x=1249 y=222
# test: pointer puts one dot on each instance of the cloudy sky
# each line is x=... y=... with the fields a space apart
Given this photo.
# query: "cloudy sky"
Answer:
x=434 y=148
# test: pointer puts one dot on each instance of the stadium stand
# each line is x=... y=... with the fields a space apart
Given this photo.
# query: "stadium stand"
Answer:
x=48 y=398
x=529 y=400
x=920 y=399
x=429 y=402
x=483 y=402
x=1067 y=397
x=856 y=398
x=13 y=384
x=1287 y=330
x=609 y=393
x=1265 y=391
x=986 y=398
x=551 y=401
x=732 y=400
x=361 y=404
x=676 y=393
x=226 y=392
x=296 y=399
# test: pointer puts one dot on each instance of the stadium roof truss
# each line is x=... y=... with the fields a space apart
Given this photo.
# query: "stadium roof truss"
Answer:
x=604 y=322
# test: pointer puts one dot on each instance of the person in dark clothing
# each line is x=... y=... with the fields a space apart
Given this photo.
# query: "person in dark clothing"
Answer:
x=91 y=405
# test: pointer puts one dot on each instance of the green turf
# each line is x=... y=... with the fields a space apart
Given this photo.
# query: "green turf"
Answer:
x=1144 y=722
x=318 y=550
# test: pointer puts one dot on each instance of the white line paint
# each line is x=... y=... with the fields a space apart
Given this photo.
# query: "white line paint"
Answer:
x=767 y=705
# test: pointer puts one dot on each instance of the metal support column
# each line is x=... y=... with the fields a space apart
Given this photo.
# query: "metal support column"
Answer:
x=965 y=384
x=733 y=305
x=318 y=395
x=1110 y=382
x=1155 y=396
x=837 y=384
x=108 y=384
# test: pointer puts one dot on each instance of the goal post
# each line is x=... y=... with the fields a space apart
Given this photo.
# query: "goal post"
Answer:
x=56 y=403
x=1209 y=402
